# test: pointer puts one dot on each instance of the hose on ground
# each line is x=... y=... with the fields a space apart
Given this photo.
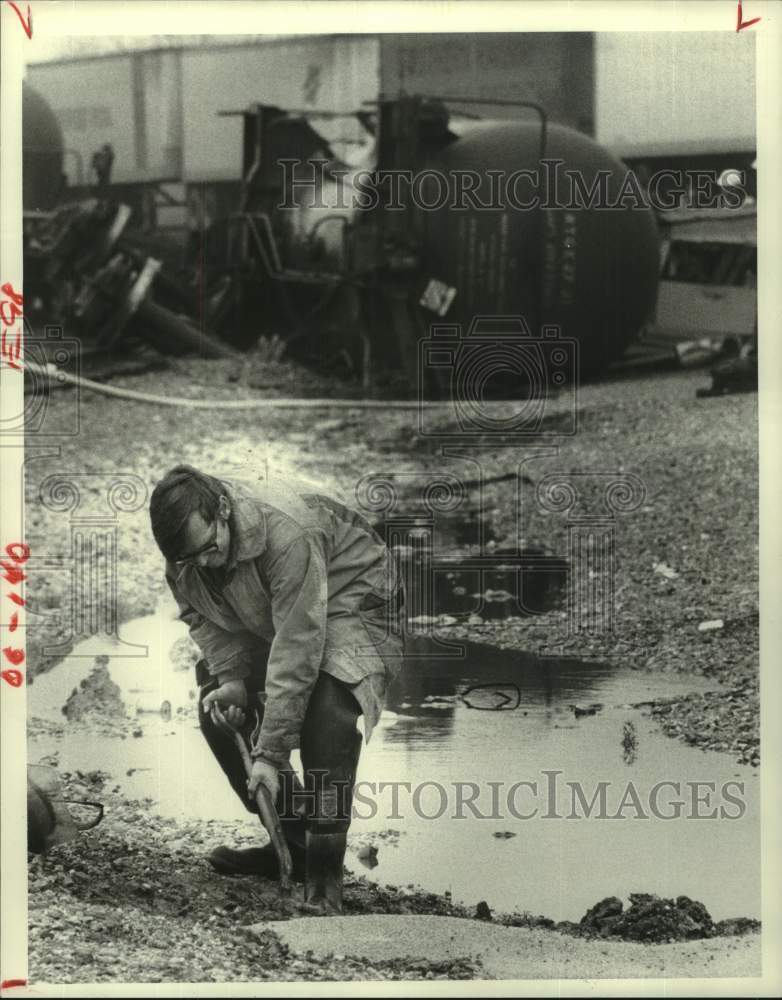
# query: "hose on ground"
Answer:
x=56 y=374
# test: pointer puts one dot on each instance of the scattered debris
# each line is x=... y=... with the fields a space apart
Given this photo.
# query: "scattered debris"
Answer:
x=579 y=711
x=482 y=911
x=154 y=707
x=665 y=570
x=718 y=720
x=629 y=743
x=370 y=841
x=494 y=596
x=737 y=374
x=83 y=272
x=736 y=927
x=445 y=620
x=368 y=856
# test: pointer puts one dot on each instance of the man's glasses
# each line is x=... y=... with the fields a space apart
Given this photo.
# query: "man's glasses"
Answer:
x=210 y=546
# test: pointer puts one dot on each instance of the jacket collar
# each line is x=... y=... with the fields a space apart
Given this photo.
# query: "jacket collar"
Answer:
x=247 y=524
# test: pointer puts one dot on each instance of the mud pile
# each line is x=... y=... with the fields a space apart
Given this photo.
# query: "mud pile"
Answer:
x=654 y=919
x=96 y=696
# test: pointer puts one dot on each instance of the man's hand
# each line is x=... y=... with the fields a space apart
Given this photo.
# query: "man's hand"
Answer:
x=229 y=693
x=263 y=773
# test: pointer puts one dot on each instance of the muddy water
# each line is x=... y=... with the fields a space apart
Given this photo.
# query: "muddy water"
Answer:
x=552 y=864
x=462 y=732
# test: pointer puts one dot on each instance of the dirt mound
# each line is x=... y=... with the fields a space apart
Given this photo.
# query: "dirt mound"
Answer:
x=737 y=927
x=97 y=695
x=648 y=918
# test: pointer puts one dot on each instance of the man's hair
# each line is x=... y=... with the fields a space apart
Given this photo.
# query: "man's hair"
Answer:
x=181 y=492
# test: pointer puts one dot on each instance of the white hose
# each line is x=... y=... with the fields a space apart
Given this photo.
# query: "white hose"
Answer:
x=53 y=372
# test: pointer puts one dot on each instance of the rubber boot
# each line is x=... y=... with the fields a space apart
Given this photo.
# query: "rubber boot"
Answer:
x=327 y=833
x=325 y=859
x=262 y=861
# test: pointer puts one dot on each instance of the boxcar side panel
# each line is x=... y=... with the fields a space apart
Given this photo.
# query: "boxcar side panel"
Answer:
x=703 y=102
x=550 y=68
x=329 y=73
x=161 y=73
x=133 y=101
x=93 y=102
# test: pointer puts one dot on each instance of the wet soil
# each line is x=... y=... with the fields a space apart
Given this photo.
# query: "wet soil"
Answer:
x=697 y=460
x=135 y=900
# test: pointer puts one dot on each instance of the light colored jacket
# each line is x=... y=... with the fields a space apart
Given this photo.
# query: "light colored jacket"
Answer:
x=311 y=577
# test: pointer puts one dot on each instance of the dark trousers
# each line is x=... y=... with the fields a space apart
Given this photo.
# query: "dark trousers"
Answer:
x=330 y=747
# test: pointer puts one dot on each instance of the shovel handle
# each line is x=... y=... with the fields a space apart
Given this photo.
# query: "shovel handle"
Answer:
x=271 y=820
x=266 y=808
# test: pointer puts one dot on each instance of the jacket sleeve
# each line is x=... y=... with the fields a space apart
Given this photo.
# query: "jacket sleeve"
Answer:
x=298 y=581
x=225 y=653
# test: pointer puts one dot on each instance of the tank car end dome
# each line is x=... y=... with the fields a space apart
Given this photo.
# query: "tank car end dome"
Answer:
x=42 y=152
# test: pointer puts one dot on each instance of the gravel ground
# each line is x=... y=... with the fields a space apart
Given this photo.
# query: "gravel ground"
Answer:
x=697 y=459
x=136 y=901
x=698 y=520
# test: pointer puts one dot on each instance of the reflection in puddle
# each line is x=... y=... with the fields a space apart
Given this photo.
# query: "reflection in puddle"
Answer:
x=515 y=720
x=526 y=583
x=493 y=744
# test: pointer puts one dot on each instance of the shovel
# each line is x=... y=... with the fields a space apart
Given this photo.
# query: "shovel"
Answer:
x=266 y=808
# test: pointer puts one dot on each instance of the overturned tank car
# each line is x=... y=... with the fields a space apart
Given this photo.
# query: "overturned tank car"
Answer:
x=442 y=227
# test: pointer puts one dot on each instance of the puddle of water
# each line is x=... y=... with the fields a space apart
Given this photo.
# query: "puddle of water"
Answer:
x=144 y=680
x=494 y=587
x=170 y=762
x=557 y=867
x=550 y=720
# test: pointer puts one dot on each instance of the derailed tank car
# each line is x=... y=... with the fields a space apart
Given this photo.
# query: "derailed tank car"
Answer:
x=545 y=253
x=442 y=223
x=509 y=227
x=42 y=153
